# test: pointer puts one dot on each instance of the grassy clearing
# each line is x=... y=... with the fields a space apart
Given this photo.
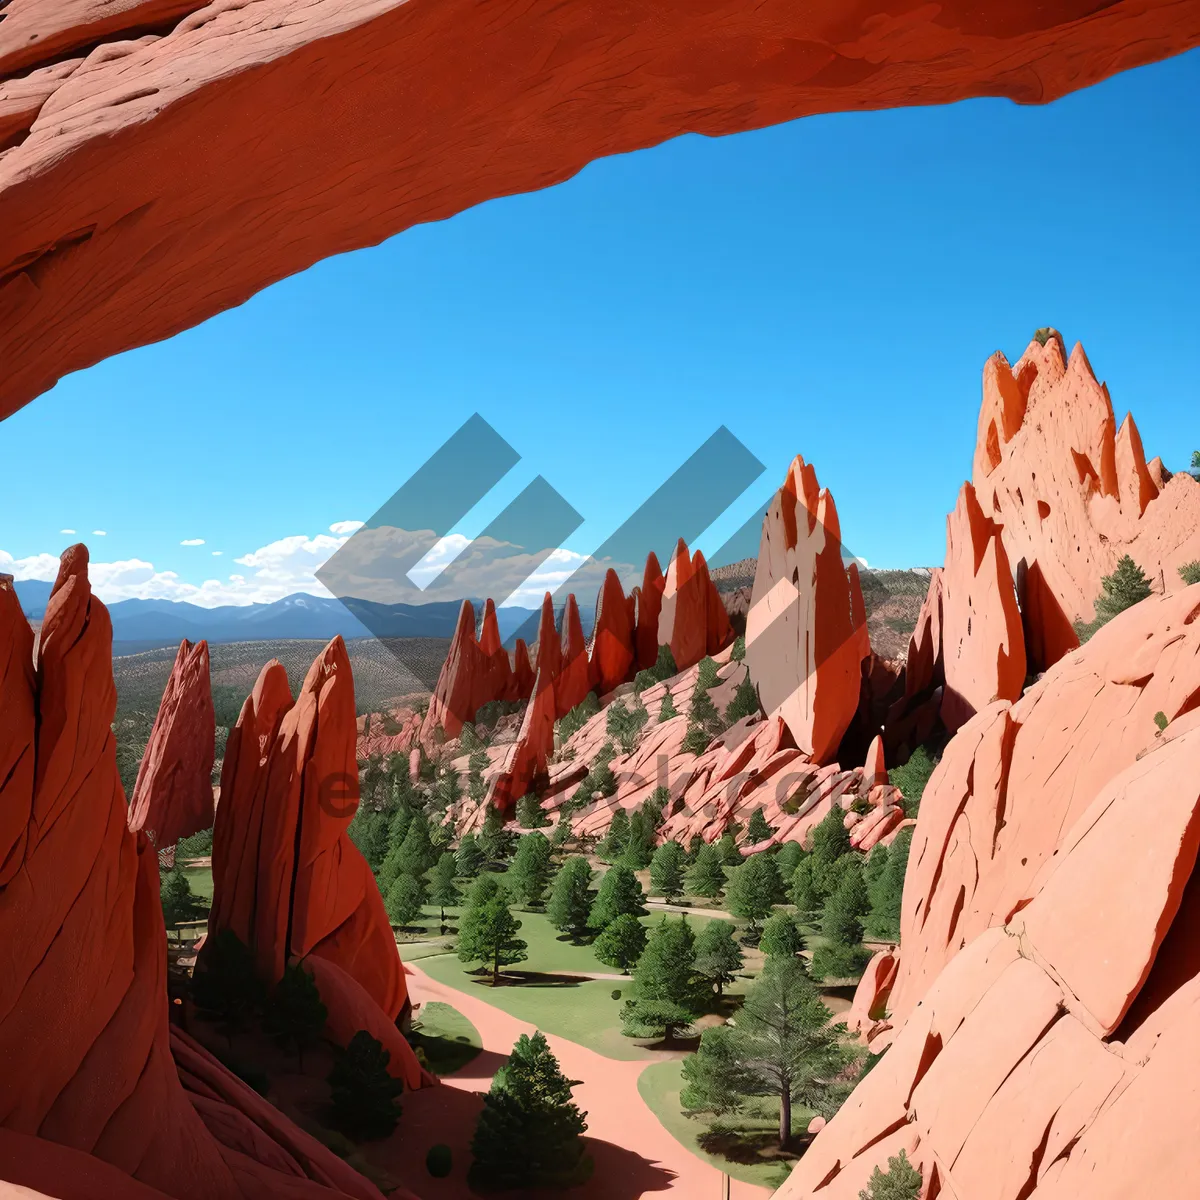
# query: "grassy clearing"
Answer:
x=745 y=1146
x=447 y=1038
x=200 y=881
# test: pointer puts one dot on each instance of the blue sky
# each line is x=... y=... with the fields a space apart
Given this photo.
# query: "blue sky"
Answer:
x=830 y=287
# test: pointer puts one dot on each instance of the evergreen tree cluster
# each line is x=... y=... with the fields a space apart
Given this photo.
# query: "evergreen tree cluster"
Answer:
x=623 y=724
x=578 y=717
x=664 y=668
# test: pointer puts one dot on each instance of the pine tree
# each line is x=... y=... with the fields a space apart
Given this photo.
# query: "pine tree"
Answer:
x=373 y=840
x=529 y=873
x=621 y=943
x=295 y=1014
x=841 y=955
x=780 y=937
x=664 y=668
x=562 y=833
x=488 y=934
x=364 y=1096
x=787 y=859
x=718 y=956
x=483 y=888
x=758 y=830
x=530 y=814
x=476 y=784
x=695 y=845
x=696 y=740
x=1190 y=573
x=901 y=1181
x=571 y=898
x=447 y=789
x=469 y=859
x=639 y=849
x=179 y=903
x=1124 y=588
x=830 y=840
x=613 y=844
x=443 y=888
x=494 y=840
x=529 y=1132
x=416 y=853
x=667 y=709
x=738 y=653
x=623 y=724
x=620 y=893
x=578 y=717
x=405 y=899
x=667 y=991
x=887 y=891
x=666 y=871
x=804 y=892
x=707 y=672
x=727 y=848
x=706 y=877
x=912 y=777
x=753 y=890
x=782 y=1046
x=655 y=806
x=744 y=702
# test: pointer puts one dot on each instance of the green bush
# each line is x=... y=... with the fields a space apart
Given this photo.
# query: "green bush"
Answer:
x=579 y=716
x=664 y=668
x=225 y=985
x=616 y=993
x=738 y=653
x=1043 y=335
x=1190 y=572
x=199 y=845
x=912 y=777
x=1160 y=719
x=439 y=1161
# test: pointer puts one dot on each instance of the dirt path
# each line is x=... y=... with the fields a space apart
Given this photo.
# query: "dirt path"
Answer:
x=663 y=907
x=635 y=1156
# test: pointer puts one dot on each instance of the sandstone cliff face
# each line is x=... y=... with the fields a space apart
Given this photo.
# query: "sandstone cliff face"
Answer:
x=1048 y=986
x=1072 y=492
x=91 y=1098
x=806 y=636
x=287 y=879
x=173 y=797
x=137 y=196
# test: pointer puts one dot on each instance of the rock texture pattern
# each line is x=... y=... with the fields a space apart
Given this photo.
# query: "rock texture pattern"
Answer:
x=137 y=197
x=92 y=1101
x=806 y=634
x=173 y=795
x=1072 y=492
x=1048 y=987
x=287 y=879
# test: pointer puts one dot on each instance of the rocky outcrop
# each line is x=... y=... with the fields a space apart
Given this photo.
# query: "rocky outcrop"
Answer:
x=806 y=634
x=395 y=731
x=115 y=234
x=287 y=879
x=173 y=796
x=91 y=1099
x=574 y=679
x=614 y=649
x=692 y=619
x=649 y=608
x=983 y=645
x=1048 y=987
x=1072 y=492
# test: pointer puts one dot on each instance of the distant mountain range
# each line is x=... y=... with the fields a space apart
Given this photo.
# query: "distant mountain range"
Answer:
x=148 y=624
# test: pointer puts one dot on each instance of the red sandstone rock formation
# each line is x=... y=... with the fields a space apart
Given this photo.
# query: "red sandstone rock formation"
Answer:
x=286 y=877
x=173 y=795
x=803 y=646
x=374 y=738
x=1048 y=988
x=521 y=687
x=649 y=608
x=91 y=1101
x=614 y=649
x=574 y=676
x=1072 y=492
x=983 y=646
x=683 y=618
x=116 y=230
x=527 y=760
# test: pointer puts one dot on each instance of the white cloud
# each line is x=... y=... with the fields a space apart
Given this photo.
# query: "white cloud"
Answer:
x=192 y=542
x=217 y=553
x=66 y=531
x=99 y=533
x=290 y=564
x=344 y=527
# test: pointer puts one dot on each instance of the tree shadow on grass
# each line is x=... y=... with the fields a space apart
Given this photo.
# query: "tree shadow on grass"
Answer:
x=750 y=1147
x=534 y=979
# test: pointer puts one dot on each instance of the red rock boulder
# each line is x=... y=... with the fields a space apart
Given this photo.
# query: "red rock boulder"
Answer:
x=614 y=649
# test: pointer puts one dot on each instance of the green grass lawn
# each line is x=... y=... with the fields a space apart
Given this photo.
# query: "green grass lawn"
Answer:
x=745 y=1145
x=448 y=1039
x=200 y=881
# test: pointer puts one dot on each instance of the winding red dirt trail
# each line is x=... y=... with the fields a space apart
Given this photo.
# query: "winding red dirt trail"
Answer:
x=635 y=1156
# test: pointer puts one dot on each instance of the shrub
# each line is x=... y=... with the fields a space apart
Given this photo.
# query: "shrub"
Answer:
x=226 y=985
x=616 y=993
x=579 y=716
x=621 y=944
x=912 y=777
x=1160 y=719
x=738 y=653
x=696 y=740
x=295 y=1014
x=664 y=668
x=439 y=1161
x=744 y=702
x=901 y=1181
x=363 y=1095
x=1124 y=588
x=179 y=903
x=667 y=709
x=1190 y=572
x=1043 y=335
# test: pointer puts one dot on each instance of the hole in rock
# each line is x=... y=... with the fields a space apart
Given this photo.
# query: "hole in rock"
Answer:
x=1020 y=497
x=1043 y=509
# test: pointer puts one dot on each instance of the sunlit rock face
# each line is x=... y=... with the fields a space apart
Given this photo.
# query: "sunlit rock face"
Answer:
x=1048 y=987
x=99 y=1094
